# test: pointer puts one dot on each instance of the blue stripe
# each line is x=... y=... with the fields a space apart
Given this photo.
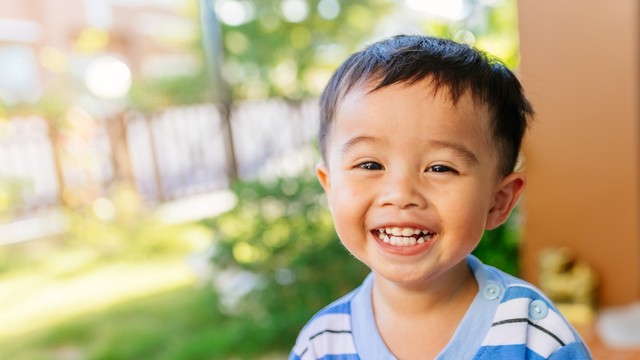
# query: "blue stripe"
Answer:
x=341 y=357
x=518 y=292
x=574 y=351
x=342 y=307
x=507 y=352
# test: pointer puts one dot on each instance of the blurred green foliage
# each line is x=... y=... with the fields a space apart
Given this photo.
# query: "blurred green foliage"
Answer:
x=493 y=29
x=10 y=195
x=500 y=247
x=150 y=95
x=282 y=232
x=269 y=55
x=122 y=227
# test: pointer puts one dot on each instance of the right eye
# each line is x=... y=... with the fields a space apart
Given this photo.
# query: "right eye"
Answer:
x=370 y=165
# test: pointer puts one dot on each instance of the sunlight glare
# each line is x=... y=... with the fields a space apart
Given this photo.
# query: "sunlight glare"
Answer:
x=449 y=9
x=107 y=77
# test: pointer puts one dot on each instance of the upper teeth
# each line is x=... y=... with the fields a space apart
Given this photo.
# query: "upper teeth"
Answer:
x=398 y=231
x=403 y=236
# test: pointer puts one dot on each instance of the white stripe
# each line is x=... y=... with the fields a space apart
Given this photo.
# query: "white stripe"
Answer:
x=543 y=343
x=523 y=333
x=558 y=326
x=506 y=334
x=335 y=322
x=513 y=309
x=331 y=344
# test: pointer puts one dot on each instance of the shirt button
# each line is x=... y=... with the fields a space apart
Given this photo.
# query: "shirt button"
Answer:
x=491 y=291
x=538 y=310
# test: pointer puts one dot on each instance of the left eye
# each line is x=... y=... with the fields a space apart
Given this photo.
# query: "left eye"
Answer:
x=440 y=169
x=370 y=165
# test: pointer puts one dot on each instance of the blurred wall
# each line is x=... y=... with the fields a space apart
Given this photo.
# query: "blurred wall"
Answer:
x=580 y=69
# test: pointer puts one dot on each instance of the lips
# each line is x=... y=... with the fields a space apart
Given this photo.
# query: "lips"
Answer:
x=403 y=236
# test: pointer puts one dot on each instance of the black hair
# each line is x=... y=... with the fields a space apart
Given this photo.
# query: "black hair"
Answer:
x=448 y=64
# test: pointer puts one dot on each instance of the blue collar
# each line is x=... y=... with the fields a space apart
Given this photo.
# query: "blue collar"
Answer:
x=468 y=336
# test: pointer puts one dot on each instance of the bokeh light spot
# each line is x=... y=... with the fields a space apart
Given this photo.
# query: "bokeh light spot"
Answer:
x=294 y=10
x=234 y=12
x=236 y=42
x=329 y=9
x=104 y=209
x=246 y=253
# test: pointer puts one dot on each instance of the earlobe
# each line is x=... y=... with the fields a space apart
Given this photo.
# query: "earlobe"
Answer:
x=505 y=199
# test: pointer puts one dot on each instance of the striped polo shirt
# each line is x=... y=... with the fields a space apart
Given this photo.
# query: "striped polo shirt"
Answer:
x=508 y=319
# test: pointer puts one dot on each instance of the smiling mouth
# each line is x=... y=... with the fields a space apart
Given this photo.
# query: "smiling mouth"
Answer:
x=403 y=236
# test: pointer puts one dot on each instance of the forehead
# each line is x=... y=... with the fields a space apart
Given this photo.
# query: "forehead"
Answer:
x=420 y=103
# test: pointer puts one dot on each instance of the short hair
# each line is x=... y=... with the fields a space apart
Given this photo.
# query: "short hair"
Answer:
x=448 y=64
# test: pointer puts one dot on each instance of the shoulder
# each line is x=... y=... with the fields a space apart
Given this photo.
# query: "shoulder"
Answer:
x=328 y=332
x=527 y=324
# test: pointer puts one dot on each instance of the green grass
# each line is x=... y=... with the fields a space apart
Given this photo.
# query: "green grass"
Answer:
x=67 y=302
x=180 y=324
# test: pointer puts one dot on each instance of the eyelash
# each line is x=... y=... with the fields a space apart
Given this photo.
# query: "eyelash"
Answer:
x=441 y=169
x=375 y=166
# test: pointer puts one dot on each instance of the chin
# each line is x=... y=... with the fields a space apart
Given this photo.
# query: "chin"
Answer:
x=407 y=278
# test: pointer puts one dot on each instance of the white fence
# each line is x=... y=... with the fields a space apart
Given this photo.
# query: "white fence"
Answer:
x=28 y=172
x=176 y=153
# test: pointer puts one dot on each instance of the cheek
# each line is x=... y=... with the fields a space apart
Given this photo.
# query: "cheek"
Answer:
x=348 y=207
x=466 y=209
x=346 y=191
x=345 y=226
x=344 y=205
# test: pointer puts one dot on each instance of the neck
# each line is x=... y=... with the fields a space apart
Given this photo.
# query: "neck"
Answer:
x=452 y=290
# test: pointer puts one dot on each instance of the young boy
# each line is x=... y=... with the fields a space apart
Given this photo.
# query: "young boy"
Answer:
x=419 y=138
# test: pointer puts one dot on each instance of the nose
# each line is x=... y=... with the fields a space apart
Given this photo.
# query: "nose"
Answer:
x=403 y=190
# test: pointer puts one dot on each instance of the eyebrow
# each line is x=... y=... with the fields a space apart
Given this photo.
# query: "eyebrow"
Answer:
x=463 y=151
x=349 y=145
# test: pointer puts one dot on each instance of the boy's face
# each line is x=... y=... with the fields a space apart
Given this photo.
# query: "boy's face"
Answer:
x=412 y=180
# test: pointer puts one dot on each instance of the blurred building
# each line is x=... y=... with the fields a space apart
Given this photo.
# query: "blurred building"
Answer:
x=46 y=45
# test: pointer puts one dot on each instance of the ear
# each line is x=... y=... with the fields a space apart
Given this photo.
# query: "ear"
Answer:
x=505 y=199
x=322 y=173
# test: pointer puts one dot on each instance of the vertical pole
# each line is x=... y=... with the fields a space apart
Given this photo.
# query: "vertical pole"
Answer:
x=212 y=42
x=150 y=123
x=54 y=140
x=117 y=132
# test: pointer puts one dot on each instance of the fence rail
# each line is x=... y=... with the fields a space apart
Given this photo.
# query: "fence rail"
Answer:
x=172 y=154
